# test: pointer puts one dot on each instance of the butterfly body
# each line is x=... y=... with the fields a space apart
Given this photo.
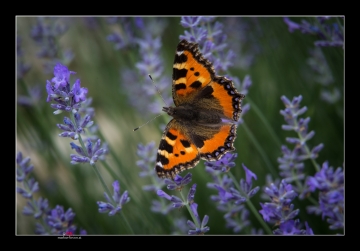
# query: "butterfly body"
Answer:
x=206 y=109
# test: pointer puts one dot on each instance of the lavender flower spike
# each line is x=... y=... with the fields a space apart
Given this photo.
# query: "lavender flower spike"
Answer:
x=49 y=221
x=66 y=98
x=330 y=184
x=281 y=212
x=203 y=228
x=114 y=205
x=94 y=152
x=280 y=208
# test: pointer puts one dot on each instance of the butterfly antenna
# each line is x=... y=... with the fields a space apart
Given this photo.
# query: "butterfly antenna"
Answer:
x=137 y=128
x=157 y=89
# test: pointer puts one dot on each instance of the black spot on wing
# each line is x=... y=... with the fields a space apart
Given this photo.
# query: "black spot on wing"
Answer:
x=166 y=146
x=180 y=86
x=171 y=136
x=185 y=143
x=179 y=73
x=196 y=85
x=163 y=160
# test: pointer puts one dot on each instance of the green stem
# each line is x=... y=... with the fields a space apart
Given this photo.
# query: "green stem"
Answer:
x=265 y=122
x=260 y=150
x=307 y=150
x=96 y=170
x=102 y=182
x=126 y=222
x=251 y=206
x=194 y=218
x=112 y=199
x=118 y=163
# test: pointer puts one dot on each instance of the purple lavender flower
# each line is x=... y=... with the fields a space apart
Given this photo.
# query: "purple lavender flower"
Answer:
x=330 y=184
x=151 y=63
x=177 y=202
x=246 y=190
x=292 y=161
x=245 y=41
x=22 y=67
x=49 y=221
x=162 y=208
x=136 y=34
x=330 y=34
x=147 y=155
x=269 y=181
x=179 y=182
x=24 y=167
x=224 y=164
x=67 y=99
x=180 y=226
x=123 y=39
x=292 y=227
x=46 y=34
x=61 y=76
x=237 y=224
x=91 y=22
x=149 y=49
x=198 y=229
x=281 y=212
x=232 y=209
x=322 y=74
x=189 y=21
x=223 y=197
x=36 y=208
x=243 y=86
x=74 y=101
x=280 y=208
x=73 y=129
x=79 y=93
x=33 y=97
x=61 y=221
x=94 y=152
x=231 y=200
x=114 y=204
x=30 y=187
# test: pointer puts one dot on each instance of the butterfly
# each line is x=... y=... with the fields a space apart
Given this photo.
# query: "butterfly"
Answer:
x=206 y=109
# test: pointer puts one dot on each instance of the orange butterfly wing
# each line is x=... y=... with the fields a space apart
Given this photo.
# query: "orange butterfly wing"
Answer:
x=206 y=109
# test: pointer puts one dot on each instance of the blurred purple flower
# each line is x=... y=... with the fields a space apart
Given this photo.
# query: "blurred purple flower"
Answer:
x=49 y=221
x=116 y=203
x=330 y=34
x=291 y=163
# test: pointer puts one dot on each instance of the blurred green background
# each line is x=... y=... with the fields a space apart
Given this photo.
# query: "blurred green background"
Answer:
x=280 y=67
